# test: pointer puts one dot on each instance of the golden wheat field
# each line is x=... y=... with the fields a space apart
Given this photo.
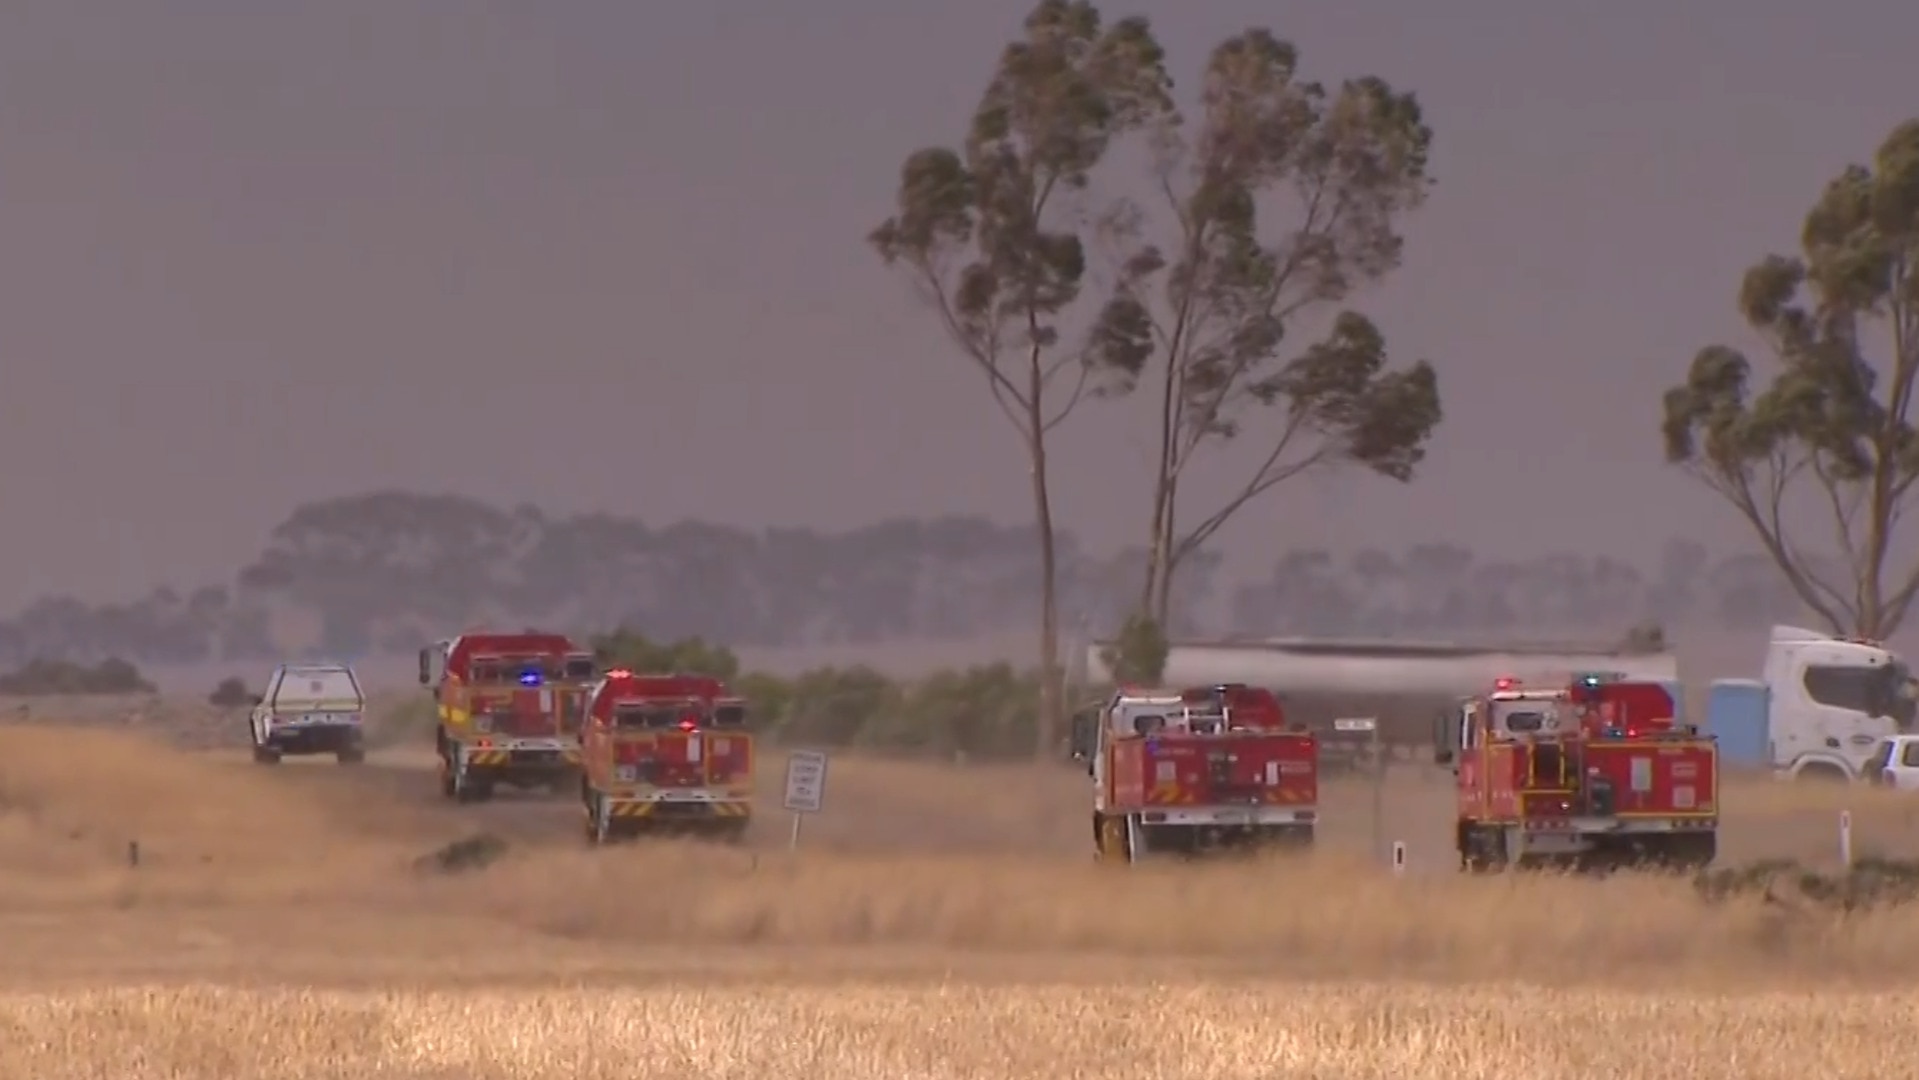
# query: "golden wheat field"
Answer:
x=938 y=922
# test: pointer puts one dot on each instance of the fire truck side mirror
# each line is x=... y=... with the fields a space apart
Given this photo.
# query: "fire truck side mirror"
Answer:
x=1445 y=730
x=1085 y=734
x=426 y=666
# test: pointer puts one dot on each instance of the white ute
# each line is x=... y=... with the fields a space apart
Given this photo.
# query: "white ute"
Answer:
x=309 y=709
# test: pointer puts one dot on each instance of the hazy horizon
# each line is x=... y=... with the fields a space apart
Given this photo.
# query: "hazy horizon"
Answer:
x=609 y=256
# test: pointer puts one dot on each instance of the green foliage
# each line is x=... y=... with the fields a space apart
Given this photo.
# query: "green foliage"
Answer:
x=989 y=711
x=1832 y=429
x=232 y=693
x=1280 y=200
x=689 y=656
x=1870 y=883
x=44 y=678
x=1139 y=654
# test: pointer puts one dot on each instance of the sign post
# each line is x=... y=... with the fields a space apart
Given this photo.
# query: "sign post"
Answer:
x=805 y=787
x=1845 y=839
x=1370 y=726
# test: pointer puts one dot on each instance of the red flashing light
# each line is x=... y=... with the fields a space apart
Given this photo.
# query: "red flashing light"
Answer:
x=1505 y=682
x=619 y=673
x=689 y=725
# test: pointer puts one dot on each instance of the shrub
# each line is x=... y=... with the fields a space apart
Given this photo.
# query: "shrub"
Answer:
x=46 y=678
x=232 y=693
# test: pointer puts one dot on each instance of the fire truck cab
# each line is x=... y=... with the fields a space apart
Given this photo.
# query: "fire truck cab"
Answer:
x=509 y=710
x=1594 y=774
x=665 y=754
x=1194 y=770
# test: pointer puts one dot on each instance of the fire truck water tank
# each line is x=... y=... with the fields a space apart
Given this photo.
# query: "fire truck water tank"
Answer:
x=1736 y=715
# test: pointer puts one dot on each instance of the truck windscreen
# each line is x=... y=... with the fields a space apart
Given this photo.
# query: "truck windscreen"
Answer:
x=650 y=716
x=1524 y=717
x=1903 y=696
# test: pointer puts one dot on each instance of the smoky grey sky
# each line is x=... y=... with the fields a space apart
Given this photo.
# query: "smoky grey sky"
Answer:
x=605 y=254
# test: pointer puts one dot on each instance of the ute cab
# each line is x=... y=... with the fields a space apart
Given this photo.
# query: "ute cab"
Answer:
x=509 y=710
x=1595 y=773
x=309 y=709
x=1199 y=769
x=665 y=754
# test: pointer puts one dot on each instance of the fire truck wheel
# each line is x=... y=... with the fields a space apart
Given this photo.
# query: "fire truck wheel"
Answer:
x=1820 y=772
x=473 y=789
x=265 y=755
x=1481 y=850
x=599 y=827
x=1109 y=840
x=1134 y=832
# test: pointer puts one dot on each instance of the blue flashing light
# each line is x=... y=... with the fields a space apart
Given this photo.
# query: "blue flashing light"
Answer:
x=529 y=678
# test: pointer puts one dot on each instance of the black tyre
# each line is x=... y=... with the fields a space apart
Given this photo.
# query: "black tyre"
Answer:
x=265 y=755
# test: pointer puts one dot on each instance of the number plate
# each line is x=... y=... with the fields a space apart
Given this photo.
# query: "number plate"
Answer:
x=1233 y=817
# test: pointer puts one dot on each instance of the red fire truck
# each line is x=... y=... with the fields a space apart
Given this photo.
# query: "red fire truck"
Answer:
x=1591 y=775
x=1196 y=770
x=509 y=710
x=665 y=754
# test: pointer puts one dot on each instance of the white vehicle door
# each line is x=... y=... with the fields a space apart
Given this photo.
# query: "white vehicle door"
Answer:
x=263 y=711
x=1878 y=770
x=1904 y=763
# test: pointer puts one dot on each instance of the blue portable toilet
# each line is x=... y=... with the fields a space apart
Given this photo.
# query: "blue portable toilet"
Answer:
x=1736 y=715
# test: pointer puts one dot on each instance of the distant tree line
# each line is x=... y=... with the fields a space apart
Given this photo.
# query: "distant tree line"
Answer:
x=382 y=573
x=982 y=712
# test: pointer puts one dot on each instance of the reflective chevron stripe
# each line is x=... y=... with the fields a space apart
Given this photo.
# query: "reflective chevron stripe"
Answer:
x=638 y=808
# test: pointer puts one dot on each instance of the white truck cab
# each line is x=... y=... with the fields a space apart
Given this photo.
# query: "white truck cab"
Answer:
x=1831 y=702
x=315 y=708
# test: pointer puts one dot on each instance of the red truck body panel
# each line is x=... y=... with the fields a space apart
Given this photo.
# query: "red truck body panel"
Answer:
x=1637 y=708
x=1625 y=741
x=666 y=731
x=1241 y=768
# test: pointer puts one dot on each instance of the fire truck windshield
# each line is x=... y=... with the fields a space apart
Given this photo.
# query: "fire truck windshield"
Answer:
x=505 y=669
x=655 y=715
x=1524 y=717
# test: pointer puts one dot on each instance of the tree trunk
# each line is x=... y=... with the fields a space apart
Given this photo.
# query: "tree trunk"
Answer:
x=1155 y=546
x=1049 y=687
x=1049 y=666
x=1162 y=600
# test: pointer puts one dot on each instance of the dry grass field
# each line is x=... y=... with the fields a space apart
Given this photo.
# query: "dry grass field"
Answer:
x=938 y=922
